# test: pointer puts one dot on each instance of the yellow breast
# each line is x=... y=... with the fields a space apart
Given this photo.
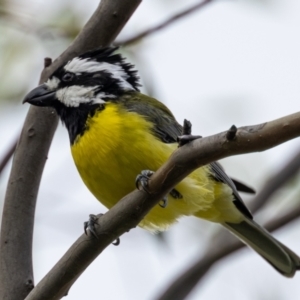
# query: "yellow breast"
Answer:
x=116 y=147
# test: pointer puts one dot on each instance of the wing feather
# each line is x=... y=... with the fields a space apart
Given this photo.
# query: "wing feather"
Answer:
x=167 y=129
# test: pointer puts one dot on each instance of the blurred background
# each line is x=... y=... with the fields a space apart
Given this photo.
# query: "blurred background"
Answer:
x=233 y=62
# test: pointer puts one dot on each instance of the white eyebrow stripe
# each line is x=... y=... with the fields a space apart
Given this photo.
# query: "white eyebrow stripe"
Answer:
x=78 y=65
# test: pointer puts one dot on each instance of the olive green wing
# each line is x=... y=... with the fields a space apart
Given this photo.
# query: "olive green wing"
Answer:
x=165 y=126
x=167 y=129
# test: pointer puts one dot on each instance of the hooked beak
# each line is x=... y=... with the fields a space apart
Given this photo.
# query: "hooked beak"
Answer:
x=40 y=96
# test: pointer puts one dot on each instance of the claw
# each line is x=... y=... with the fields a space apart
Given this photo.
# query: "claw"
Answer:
x=164 y=202
x=175 y=194
x=90 y=225
x=116 y=242
x=141 y=181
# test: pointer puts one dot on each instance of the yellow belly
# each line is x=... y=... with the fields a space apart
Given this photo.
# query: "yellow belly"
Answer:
x=118 y=145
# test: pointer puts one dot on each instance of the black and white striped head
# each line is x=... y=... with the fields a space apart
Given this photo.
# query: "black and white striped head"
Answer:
x=91 y=78
x=83 y=85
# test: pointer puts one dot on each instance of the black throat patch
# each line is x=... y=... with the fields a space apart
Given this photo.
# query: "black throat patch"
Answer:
x=75 y=118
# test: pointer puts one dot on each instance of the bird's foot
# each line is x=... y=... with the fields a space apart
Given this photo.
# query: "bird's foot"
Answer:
x=187 y=136
x=141 y=183
x=90 y=226
x=175 y=194
x=164 y=202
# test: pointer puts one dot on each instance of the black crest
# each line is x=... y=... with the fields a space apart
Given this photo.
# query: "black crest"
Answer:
x=108 y=55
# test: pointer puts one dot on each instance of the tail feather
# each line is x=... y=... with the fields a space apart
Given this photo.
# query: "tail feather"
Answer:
x=278 y=255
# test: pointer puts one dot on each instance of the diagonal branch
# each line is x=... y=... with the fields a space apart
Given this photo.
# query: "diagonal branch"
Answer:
x=16 y=275
x=289 y=170
x=164 y=24
x=130 y=210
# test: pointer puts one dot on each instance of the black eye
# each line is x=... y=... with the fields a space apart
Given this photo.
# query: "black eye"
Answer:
x=68 y=77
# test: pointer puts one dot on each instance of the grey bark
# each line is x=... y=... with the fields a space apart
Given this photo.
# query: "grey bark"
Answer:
x=16 y=274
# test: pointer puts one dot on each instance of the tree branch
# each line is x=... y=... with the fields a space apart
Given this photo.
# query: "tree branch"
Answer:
x=164 y=24
x=273 y=184
x=7 y=155
x=130 y=210
x=16 y=275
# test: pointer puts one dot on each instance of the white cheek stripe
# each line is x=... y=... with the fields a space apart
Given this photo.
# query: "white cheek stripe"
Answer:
x=78 y=65
x=75 y=95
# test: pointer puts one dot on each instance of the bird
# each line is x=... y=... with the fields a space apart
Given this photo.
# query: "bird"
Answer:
x=120 y=136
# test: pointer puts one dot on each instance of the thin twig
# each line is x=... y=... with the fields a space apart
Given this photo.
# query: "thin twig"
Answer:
x=273 y=184
x=8 y=154
x=164 y=24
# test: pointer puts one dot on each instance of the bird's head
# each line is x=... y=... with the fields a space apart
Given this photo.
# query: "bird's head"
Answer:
x=91 y=78
x=83 y=85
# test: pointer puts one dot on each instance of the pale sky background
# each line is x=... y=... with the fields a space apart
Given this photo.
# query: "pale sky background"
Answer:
x=233 y=62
